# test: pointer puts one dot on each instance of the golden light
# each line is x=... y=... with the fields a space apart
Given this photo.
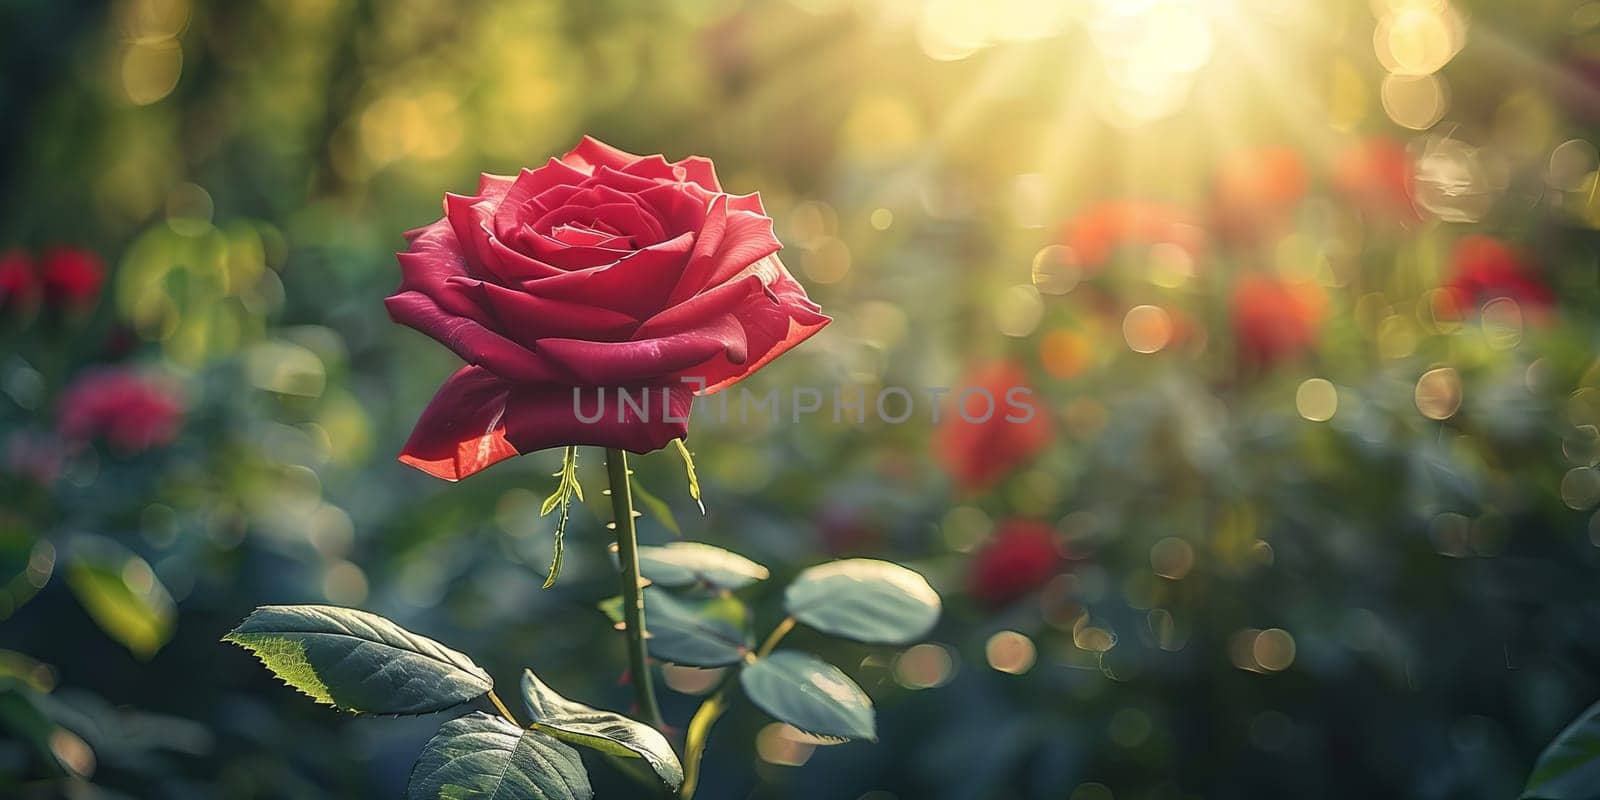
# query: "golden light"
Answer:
x=1438 y=393
x=1010 y=652
x=924 y=666
x=1317 y=400
x=1147 y=328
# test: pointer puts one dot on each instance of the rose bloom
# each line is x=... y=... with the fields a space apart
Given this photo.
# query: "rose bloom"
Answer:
x=1095 y=234
x=1483 y=268
x=1254 y=193
x=1274 y=320
x=19 y=284
x=130 y=410
x=977 y=455
x=601 y=270
x=1021 y=557
x=72 y=277
x=1376 y=175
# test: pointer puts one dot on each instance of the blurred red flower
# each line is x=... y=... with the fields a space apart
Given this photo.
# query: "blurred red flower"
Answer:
x=1376 y=175
x=19 y=283
x=72 y=277
x=1095 y=234
x=977 y=454
x=1483 y=268
x=1254 y=193
x=131 y=411
x=1019 y=558
x=1274 y=320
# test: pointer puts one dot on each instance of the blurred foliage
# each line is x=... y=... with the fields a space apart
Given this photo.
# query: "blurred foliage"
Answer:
x=1323 y=499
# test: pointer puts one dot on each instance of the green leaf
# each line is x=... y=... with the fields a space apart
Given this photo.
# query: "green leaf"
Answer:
x=1569 y=769
x=657 y=507
x=482 y=757
x=694 y=478
x=567 y=488
x=123 y=595
x=696 y=632
x=605 y=731
x=810 y=694
x=679 y=564
x=25 y=717
x=865 y=600
x=359 y=662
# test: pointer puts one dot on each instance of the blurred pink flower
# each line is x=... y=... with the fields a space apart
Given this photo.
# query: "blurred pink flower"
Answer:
x=1021 y=557
x=1483 y=268
x=72 y=277
x=978 y=455
x=1275 y=320
x=131 y=411
x=1376 y=175
x=19 y=281
x=1095 y=234
x=35 y=456
x=1254 y=193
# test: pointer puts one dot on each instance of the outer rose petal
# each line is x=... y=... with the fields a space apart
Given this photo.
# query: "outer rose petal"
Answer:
x=780 y=318
x=477 y=420
x=463 y=428
x=470 y=340
x=547 y=416
x=591 y=153
x=623 y=363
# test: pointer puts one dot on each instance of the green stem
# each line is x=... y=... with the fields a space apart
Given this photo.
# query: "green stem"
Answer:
x=644 y=690
x=699 y=732
x=501 y=707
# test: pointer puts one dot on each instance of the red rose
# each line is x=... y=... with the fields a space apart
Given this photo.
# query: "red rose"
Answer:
x=1483 y=268
x=977 y=454
x=600 y=270
x=1254 y=193
x=1376 y=175
x=1274 y=320
x=131 y=411
x=72 y=277
x=19 y=284
x=1021 y=557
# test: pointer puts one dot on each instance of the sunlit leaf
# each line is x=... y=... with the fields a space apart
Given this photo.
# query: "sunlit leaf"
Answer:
x=359 y=662
x=601 y=730
x=482 y=757
x=566 y=489
x=865 y=600
x=657 y=507
x=678 y=564
x=694 y=478
x=23 y=718
x=810 y=694
x=696 y=632
x=1569 y=769
x=123 y=595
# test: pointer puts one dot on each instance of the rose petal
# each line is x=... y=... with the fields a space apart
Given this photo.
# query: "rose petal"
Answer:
x=528 y=318
x=772 y=325
x=637 y=284
x=591 y=153
x=470 y=218
x=622 y=363
x=547 y=416
x=729 y=242
x=511 y=212
x=472 y=341
x=700 y=170
x=463 y=428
